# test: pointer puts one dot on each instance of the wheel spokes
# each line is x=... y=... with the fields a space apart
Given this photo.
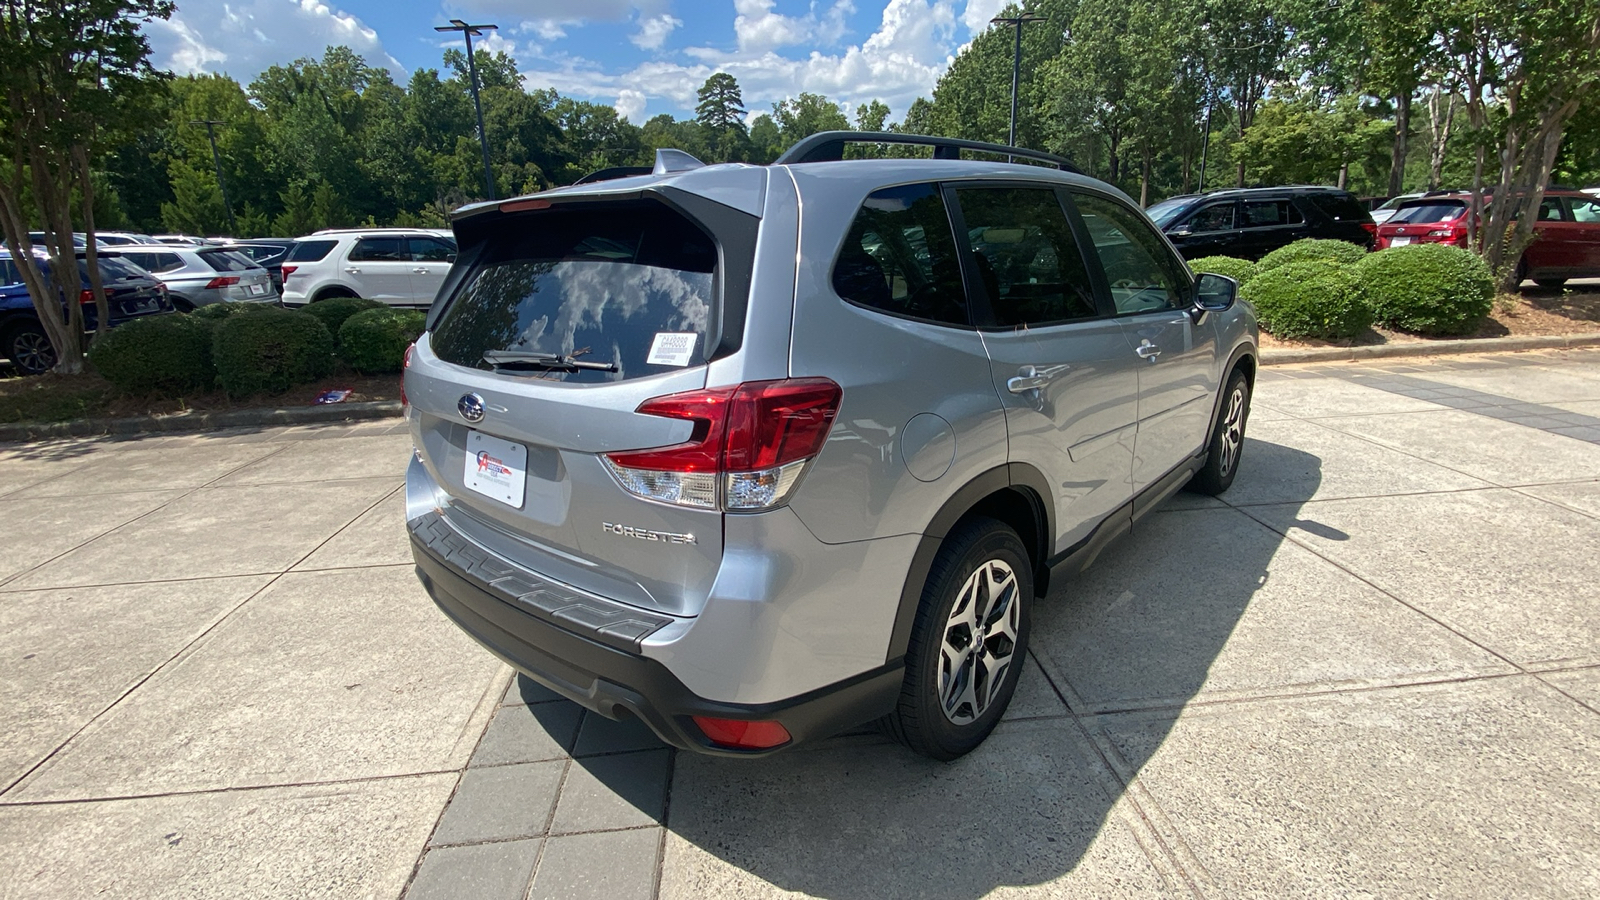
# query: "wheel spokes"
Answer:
x=979 y=642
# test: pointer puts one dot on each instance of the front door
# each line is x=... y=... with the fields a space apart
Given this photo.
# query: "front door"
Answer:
x=1062 y=366
x=1150 y=290
x=1586 y=219
x=1209 y=231
x=379 y=268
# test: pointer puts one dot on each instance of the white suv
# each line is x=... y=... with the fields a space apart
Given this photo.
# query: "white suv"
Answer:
x=397 y=266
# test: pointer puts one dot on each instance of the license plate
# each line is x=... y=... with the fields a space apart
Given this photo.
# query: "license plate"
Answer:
x=257 y=290
x=496 y=468
x=1399 y=241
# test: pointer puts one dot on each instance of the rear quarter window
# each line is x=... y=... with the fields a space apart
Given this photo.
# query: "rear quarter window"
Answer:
x=310 y=251
x=618 y=285
x=899 y=257
x=1339 y=207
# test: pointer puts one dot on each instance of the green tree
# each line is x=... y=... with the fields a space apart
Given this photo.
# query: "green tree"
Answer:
x=74 y=72
x=806 y=115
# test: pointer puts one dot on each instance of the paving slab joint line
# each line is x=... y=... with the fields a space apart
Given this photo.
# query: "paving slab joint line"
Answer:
x=1287 y=356
x=204 y=421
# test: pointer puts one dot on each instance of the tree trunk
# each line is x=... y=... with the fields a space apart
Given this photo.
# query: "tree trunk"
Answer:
x=102 y=307
x=1144 y=176
x=1344 y=175
x=1440 y=132
x=1402 y=138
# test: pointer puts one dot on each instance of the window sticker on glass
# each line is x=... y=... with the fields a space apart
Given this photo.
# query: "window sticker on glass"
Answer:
x=672 y=348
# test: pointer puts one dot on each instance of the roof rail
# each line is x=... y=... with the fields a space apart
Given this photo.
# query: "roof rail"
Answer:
x=828 y=146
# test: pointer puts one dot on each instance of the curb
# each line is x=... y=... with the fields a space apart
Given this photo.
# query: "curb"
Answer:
x=1428 y=348
x=203 y=421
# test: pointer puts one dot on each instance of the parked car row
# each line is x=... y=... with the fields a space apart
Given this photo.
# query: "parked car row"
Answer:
x=1567 y=233
x=130 y=291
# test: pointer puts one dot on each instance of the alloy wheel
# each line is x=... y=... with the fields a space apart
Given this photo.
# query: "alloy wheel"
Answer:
x=980 y=639
x=32 y=353
x=1232 y=430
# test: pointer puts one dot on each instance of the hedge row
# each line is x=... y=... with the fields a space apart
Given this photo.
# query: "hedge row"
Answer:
x=1332 y=289
x=247 y=348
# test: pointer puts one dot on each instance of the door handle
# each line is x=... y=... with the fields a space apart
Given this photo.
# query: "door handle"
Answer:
x=1147 y=350
x=353 y=270
x=1032 y=378
x=419 y=271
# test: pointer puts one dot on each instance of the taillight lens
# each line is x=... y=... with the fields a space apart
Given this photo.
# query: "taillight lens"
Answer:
x=406 y=364
x=222 y=281
x=288 y=270
x=1371 y=228
x=746 y=451
x=736 y=734
x=85 y=297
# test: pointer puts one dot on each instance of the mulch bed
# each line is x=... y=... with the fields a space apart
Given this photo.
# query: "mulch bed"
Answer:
x=61 y=398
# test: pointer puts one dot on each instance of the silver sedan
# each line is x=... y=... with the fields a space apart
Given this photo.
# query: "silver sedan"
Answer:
x=197 y=276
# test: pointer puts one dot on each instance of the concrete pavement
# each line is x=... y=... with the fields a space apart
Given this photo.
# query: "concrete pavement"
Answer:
x=1370 y=668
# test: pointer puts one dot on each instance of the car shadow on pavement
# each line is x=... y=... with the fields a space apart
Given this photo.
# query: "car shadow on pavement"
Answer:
x=858 y=816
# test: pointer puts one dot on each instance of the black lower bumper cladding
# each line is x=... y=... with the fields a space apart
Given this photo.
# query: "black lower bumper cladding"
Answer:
x=592 y=660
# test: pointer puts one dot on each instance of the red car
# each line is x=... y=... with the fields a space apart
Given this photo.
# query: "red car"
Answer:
x=1566 y=239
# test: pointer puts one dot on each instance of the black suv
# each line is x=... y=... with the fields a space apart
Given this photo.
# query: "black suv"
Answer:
x=1251 y=222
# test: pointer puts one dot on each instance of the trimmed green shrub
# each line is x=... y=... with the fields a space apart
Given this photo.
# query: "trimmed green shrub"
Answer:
x=270 y=352
x=222 y=310
x=1240 y=270
x=156 y=354
x=375 y=341
x=335 y=310
x=1428 y=288
x=1319 y=298
x=1312 y=248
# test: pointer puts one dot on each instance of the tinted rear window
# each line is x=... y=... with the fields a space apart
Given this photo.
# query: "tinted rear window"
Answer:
x=310 y=251
x=227 y=260
x=111 y=269
x=900 y=257
x=1339 y=207
x=602 y=285
x=1429 y=211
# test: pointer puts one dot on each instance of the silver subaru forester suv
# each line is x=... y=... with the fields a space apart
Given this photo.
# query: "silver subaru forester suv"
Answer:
x=757 y=453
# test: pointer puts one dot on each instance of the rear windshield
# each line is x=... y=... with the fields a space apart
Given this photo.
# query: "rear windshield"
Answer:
x=227 y=260
x=111 y=269
x=631 y=288
x=309 y=251
x=1339 y=207
x=1429 y=211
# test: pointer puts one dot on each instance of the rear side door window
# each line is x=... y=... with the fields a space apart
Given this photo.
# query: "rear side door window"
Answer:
x=380 y=249
x=430 y=250
x=1025 y=255
x=1142 y=273
x=899 y=257
x=1269 y=214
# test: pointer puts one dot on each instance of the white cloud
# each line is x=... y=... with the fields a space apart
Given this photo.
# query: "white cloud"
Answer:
x=978 y=13
x=243 y=38
x=653 y=31
x=900 y=61
x=630 y=104
x=758 y=28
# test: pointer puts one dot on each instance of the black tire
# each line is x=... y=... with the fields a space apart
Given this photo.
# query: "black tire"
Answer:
x=28 y=347
x=1550 y=282
x=1227 y=438
x=980 y=549
x=331 y=293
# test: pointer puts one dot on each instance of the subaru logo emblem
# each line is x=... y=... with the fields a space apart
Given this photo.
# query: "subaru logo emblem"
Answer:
x=471 y=407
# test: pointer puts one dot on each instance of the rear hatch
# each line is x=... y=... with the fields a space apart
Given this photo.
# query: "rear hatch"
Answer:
x=557 y=323
x=238 y=277
x=1415 y=220
x=130 y=290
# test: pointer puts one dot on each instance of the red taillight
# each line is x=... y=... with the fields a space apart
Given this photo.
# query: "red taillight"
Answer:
x=737 y=734
x=748 y=444
x=1371 y=228
x=85 y=297
x=288 y=270
x=410 y=348
x=223 y=281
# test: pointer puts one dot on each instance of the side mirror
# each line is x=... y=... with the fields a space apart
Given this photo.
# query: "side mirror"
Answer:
x=1214 y=293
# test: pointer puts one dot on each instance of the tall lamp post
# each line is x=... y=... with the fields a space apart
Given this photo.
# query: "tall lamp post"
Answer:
x=468 y=31
x=216 y=163
x=1016 y=61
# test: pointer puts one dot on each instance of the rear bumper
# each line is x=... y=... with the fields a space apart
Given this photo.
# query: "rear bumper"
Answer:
x=590 y=664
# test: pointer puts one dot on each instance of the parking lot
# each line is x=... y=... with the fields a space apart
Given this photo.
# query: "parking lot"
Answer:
x=1372 y=668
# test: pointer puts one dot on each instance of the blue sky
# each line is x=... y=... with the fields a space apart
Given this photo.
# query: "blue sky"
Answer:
x=645 y=56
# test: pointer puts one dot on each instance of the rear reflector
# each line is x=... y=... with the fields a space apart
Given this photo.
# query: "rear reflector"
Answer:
x=746 y=450
x=223 y=281
x=736 y=734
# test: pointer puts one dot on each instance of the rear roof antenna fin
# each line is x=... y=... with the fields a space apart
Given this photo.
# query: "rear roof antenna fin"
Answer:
x=670 y=162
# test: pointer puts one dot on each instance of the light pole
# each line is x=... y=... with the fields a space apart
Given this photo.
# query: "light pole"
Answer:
x=467 y=31
x=216 y=163
x=1016 y=62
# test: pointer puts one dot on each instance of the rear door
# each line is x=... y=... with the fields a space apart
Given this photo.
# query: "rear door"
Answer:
x=431 y=258
x=1265 y=225
x=1150 y=290
x=379 y=268
x=1557 y=248
x=1586 y=218
x=633 y=288
x=1060 y=362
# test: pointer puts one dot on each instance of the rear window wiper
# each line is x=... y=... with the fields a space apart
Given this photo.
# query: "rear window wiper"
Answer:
x=538 y=361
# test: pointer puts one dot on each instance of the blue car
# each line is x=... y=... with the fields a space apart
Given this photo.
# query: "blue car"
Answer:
x=131 y=291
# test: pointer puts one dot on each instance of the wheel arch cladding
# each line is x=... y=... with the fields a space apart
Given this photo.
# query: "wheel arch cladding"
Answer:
x=1016 y=494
